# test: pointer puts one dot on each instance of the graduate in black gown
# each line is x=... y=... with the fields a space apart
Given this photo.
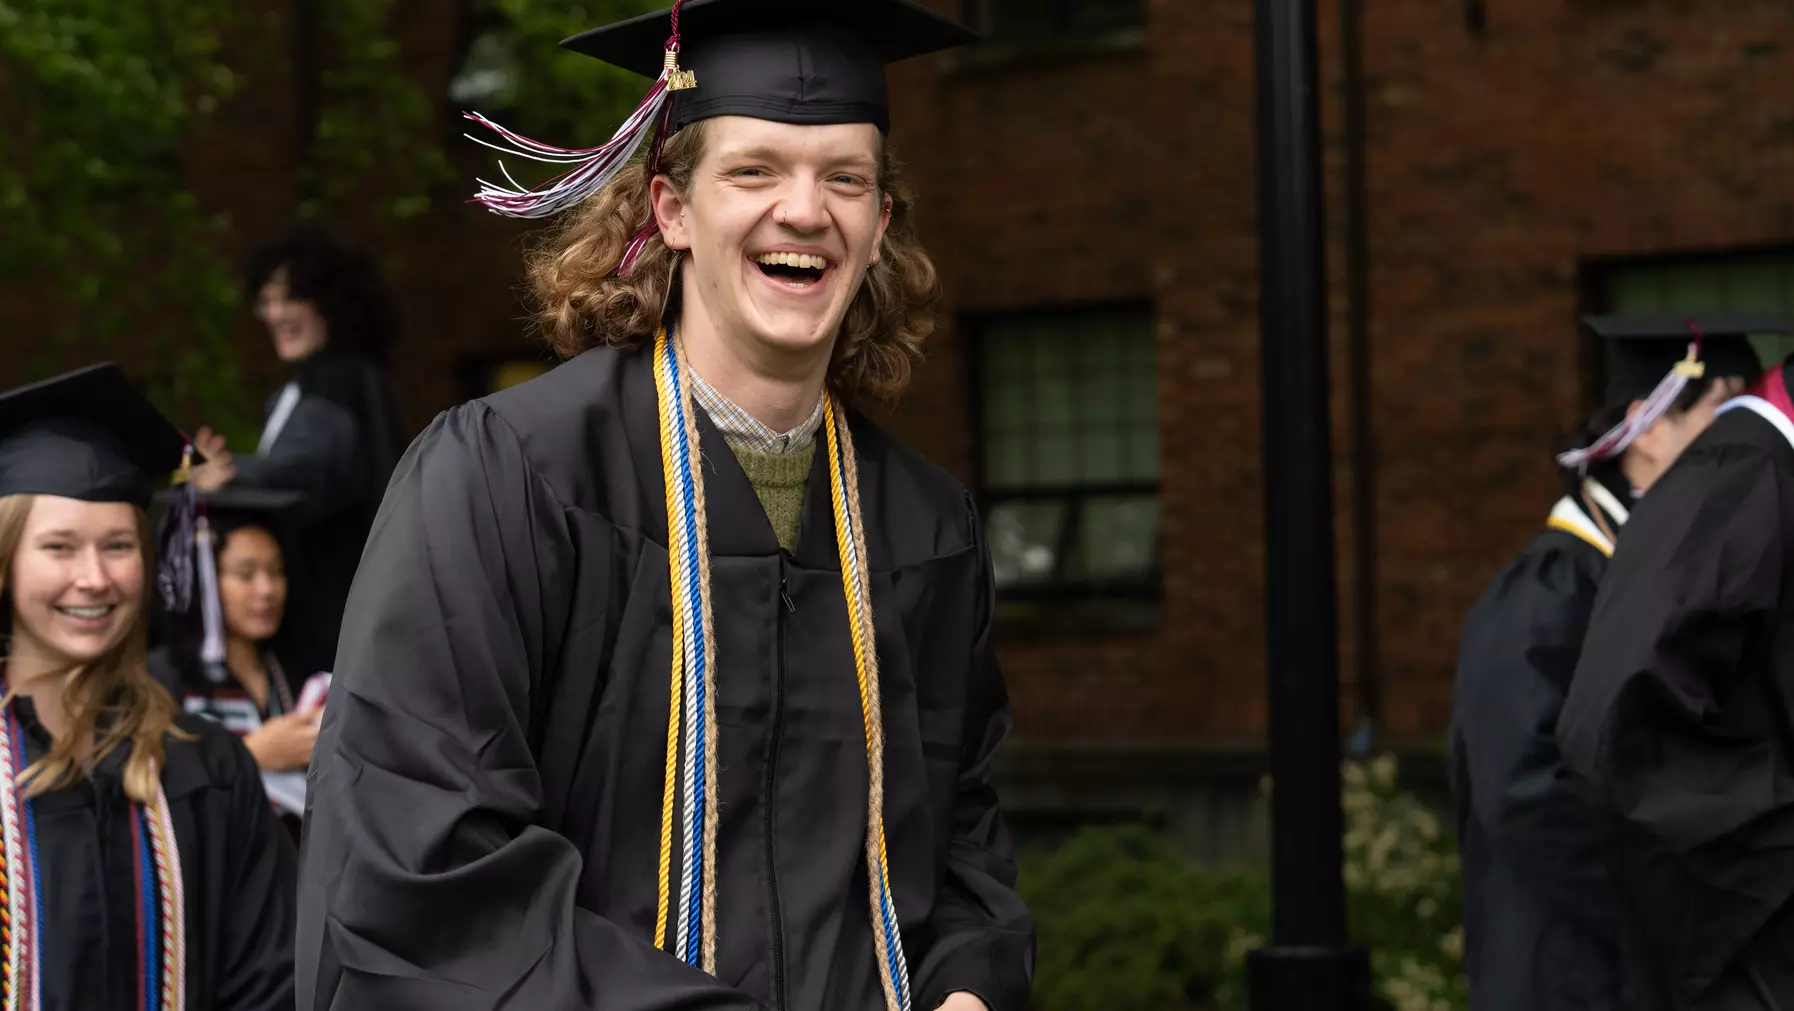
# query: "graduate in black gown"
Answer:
x=524 y=795
x=333 y=431
x=1680 y=717
x=1542 y=924
x=223 y=660
x=140 y=864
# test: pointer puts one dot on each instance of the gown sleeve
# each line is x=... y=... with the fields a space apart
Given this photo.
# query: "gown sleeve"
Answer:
x=1516 y=659
x=1673 y=714
x=315 y=455
x=428 y=882
x=257 y=965
x=980 y=937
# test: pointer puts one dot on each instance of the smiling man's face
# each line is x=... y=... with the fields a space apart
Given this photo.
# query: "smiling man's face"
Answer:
x=781 y=223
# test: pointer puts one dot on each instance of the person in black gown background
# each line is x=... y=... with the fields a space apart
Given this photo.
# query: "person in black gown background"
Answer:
x=100 y=765
x=1541 y=921
x=223 y=658
x=334 y=431
x=1680 y=717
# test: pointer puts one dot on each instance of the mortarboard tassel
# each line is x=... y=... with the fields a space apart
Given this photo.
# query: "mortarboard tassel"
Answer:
x=211 y=612
x=1617 y=438
x=174 y=574
x=592 y=167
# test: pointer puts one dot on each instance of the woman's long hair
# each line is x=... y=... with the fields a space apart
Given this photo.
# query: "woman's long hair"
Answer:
x=112 y=701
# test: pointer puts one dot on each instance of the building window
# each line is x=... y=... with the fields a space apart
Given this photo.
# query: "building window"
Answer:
x=1070 y=452
x=1734 y=282
x=1054 y=19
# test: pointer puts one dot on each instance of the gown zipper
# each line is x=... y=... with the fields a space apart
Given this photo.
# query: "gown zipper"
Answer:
x=772 y=766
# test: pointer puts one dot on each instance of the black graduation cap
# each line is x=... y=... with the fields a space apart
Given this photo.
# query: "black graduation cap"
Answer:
x=1643 y=348
x=230 y=507
x=89 y=435
x=92 y=435
x=788 y=61
x=1653 y=358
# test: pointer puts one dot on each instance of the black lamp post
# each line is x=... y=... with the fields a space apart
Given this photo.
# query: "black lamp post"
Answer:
x=1308 y=966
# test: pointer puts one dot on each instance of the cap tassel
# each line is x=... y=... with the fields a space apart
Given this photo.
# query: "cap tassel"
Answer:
x=593 y=167
x=1617 y=438
x=174 y=576
x=211 y=649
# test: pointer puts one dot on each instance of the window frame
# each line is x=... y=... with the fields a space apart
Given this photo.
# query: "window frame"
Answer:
x=1075 y=496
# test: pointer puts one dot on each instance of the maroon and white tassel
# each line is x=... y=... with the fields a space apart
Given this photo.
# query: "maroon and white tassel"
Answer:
x=592 y=167
x=1617 y=438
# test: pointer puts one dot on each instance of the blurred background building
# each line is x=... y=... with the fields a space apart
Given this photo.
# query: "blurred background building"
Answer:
x=1087 y=186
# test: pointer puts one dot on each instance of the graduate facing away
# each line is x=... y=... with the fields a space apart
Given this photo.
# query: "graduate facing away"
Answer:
x=1542 y=921
x=1680 y=716
x=667 y=681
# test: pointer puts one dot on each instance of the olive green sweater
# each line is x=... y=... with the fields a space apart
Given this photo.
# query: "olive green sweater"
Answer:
x=779 y=482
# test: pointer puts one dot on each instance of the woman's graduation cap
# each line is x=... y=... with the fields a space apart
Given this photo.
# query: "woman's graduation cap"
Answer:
x=92 y=435
x=788 y=61
x=1654 y=357
x=218 y=513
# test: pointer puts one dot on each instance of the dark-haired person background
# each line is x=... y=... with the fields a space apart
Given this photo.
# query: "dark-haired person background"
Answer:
x=223 y=660
x=1542 y=922
x=333 y=431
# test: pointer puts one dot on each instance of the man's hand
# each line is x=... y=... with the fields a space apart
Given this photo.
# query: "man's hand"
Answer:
x=962 y=1001
x=217 y=471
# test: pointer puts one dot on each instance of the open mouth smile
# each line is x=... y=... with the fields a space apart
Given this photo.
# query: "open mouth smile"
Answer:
x=793 y=270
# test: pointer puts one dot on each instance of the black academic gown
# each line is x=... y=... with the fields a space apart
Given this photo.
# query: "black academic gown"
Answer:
x=337 y=450
x=237 y=872
x=485 y=798
x=1681 y=719
x=1541 y=921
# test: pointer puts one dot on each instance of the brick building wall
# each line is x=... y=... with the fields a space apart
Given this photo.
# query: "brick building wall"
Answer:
x=1501 y=161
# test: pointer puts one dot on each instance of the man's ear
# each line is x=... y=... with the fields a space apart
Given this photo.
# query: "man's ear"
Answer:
x=669 y=212
x=884 y=222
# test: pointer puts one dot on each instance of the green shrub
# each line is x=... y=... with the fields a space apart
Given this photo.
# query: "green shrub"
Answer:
x=1126 y=923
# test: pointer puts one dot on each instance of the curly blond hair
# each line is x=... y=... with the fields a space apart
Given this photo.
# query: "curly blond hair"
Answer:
x=581 y=303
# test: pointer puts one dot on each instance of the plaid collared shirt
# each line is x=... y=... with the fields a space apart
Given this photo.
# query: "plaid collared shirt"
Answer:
x=742 y=430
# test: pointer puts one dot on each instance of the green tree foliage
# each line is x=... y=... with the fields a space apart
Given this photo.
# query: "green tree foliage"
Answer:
x=377 y=131
x=99 y=229
x=516 y=74
x=97 y=96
